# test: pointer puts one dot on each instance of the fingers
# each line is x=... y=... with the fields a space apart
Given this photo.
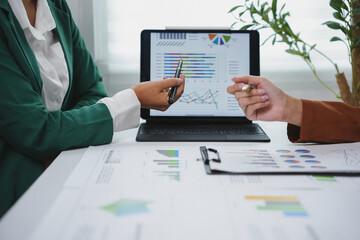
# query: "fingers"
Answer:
x=181 y=87
x=251 y=110
x=166 y=83
x=248 y=79
x=163 y=87
x=241 y=81
x=245 y=101
x=232 y=89
x=252 y=101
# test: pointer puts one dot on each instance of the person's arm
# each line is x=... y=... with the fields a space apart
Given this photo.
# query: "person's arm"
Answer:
x=30 y=129
x=309 y=121
x=326 y=122
x=87 y=86
x=124 y=107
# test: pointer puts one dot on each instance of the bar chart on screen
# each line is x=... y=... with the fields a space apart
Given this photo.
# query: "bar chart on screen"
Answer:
x=196 y=66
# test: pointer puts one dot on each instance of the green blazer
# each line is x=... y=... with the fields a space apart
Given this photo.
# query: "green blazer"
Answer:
x=29 y=134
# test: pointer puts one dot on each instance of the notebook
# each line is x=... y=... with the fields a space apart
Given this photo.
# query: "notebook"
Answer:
x=205 y=111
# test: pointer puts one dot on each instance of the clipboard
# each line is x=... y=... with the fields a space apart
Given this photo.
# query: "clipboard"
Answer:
x=211 y=159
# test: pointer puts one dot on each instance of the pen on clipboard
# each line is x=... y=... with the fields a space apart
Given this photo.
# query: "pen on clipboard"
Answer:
x=247 y=88
x=172 y=91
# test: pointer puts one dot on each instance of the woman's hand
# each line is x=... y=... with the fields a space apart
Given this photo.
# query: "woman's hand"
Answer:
x=267 y=102
x=153 y=94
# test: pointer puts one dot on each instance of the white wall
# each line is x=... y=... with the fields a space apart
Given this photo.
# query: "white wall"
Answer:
x=91 y=17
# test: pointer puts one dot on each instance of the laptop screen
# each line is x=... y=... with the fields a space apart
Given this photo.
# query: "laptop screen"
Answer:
x=210 y=60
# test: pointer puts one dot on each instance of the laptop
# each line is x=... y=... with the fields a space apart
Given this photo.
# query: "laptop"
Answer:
x=205 y=111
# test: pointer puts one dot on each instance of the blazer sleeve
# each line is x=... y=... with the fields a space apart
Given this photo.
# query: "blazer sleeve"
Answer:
x=87 y=84
x=30 y=129
x=326 y=122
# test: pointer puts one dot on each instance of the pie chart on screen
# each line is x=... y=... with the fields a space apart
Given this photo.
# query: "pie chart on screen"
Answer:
x=219 y=39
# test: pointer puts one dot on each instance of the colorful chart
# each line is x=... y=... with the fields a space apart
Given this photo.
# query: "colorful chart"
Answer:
x=289 y=206
x=169 y=153
x=257 y=157
x=287 y=156
x=195 y=65
x=218 y=39
x=302 y=151
x=324 y=178
x=209 y=97
x=296 y=166
x=169 y=163
x=265 y=163
x=172 y=175
x=319 y=167
x=307 y=156
x=282 y=151
x=312 y=161
x=292 y=161
x=126 y=207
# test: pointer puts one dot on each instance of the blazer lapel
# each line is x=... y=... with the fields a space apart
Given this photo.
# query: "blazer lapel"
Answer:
x=19 y=46
x=63 y=32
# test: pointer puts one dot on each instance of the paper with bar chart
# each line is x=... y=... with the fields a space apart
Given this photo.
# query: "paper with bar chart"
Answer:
x=209 y=63
x=336 y=158
x=292 y=214
x=162 y=192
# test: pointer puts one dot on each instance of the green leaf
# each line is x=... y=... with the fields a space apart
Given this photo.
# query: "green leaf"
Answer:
x=334 y=39
x=273 y=35
x=274 y=7
x=293 y=52
x=345 y=30
x=241 y=13
x=338 y=16
x=344 y=6
x=274 y=40
x=234 y=8
x=245 y=27
x=312 y=47
x=336 y=4
x=332 y=25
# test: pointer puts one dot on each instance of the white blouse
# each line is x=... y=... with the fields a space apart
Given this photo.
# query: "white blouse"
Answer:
x=124 y=106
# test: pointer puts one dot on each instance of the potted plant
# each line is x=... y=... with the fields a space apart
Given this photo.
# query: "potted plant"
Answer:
x=347 y=22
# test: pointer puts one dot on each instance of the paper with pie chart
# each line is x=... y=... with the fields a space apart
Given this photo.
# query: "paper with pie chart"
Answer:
x=336 y=158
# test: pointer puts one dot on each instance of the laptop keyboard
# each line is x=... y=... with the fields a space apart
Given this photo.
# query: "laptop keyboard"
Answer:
x=201 y=130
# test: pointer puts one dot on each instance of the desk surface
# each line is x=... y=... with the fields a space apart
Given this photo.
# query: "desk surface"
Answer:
x=28 y=215
x=34 y=204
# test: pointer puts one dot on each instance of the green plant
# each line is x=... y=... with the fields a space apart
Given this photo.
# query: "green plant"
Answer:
x=347 y=14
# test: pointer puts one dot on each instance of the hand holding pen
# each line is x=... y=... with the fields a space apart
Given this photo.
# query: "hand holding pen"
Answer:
x=154 y=94
x=266 y=102
x=172 y=91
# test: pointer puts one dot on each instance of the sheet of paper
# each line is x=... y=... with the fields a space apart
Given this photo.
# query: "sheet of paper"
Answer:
x=121 y=192
x=311 y=158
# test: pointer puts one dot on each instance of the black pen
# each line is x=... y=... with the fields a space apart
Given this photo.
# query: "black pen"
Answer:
x=172 y=91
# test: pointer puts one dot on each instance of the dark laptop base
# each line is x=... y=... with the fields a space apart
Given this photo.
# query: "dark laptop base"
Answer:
x=151 y=132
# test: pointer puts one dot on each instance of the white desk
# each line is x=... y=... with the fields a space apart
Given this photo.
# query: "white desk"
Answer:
x=34 y=204
x=22 y=219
